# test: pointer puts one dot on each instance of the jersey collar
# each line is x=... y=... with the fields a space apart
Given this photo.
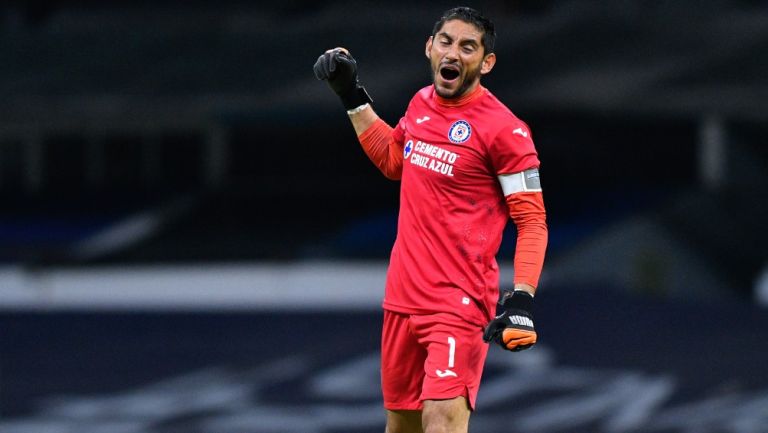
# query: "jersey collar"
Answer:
x=464 y=100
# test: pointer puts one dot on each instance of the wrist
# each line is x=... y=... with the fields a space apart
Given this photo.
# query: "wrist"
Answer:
x=358 y=109
x=526 y=288
x=516 y=300
x=355 y=97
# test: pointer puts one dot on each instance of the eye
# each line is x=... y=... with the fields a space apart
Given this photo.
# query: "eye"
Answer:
x=468 y=49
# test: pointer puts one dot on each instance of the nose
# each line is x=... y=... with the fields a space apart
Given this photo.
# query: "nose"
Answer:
x=452 y=53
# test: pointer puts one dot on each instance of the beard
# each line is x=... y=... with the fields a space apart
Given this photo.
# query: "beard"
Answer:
x=468 y=80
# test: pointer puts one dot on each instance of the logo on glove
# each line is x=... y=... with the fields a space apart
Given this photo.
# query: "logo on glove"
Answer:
x=521 y=320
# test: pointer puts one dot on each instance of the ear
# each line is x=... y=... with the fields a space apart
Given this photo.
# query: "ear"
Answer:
x=429 y=47
x=488 y=62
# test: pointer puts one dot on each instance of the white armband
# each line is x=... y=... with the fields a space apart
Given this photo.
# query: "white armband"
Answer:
x=524 y=181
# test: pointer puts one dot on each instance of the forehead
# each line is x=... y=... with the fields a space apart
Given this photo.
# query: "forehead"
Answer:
x=458 y=29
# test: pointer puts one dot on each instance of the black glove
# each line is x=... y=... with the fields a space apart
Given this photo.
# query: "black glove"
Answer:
x=340 y=69
x=513 y=328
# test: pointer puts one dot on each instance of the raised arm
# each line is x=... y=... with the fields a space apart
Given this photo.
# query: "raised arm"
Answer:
x=377 y=138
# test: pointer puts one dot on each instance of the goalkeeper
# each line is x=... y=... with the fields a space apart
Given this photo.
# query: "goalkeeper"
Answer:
x=466 y=165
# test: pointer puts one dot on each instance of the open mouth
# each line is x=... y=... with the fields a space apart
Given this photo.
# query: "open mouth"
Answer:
x=449 y=72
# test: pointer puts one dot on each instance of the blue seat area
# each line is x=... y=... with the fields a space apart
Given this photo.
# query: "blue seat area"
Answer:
x=251 y=363
x=48 y=228
x=47 y=231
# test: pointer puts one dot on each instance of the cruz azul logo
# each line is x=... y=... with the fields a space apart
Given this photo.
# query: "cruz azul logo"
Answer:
x=431 y=157
x=460 y=131
x=407 y=149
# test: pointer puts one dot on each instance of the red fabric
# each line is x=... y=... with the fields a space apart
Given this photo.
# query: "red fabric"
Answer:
x=452 y=209
x=418 y=362
x=379 y=144
x=527 y=211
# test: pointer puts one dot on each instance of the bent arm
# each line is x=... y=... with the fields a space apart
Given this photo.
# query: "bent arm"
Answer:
x=376 y=138
x=363 y=119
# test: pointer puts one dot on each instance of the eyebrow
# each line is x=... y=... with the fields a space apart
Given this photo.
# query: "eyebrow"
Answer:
x=472 y=42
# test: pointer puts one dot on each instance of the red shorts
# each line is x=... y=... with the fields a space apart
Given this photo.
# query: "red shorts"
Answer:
x=429 y=357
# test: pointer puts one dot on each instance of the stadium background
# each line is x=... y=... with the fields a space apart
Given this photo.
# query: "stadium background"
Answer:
x=192 y=241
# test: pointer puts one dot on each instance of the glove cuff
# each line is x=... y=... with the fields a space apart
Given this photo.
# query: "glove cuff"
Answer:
x=517 y=300
x=355 y=97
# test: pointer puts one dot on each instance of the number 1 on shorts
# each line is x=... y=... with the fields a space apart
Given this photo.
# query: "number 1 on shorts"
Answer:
x=451 y=356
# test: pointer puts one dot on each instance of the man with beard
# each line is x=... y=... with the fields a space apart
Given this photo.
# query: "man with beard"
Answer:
x=466 y=165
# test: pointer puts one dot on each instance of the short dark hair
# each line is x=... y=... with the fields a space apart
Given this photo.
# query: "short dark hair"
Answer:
x=471 y=16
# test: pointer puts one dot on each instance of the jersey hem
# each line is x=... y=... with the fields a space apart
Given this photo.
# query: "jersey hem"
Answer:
x=424 y=311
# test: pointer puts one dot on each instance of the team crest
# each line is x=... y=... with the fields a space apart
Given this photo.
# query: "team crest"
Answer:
x=407 y=149
x=459 y=131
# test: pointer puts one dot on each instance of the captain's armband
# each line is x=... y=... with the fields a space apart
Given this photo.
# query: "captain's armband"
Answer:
x=524 y=181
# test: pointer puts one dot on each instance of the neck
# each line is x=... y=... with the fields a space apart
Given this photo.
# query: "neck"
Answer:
x=470 y=95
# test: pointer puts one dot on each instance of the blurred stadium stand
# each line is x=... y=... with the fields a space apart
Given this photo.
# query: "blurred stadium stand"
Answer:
x=206 y=122
x=174 y=180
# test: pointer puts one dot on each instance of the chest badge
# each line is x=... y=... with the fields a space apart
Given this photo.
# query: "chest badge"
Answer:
x=459 y=132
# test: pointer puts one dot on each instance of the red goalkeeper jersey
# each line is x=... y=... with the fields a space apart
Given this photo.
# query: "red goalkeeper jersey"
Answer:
x=452 y=209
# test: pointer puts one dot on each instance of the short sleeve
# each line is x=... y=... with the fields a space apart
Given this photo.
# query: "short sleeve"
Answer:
x=512 y=149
